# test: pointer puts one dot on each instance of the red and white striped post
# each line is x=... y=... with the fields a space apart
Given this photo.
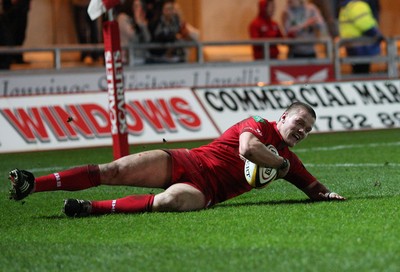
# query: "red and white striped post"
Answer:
x=115 y=84
x=114 y=72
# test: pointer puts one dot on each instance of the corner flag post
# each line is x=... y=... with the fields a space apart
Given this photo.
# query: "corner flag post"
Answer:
x=115 y=85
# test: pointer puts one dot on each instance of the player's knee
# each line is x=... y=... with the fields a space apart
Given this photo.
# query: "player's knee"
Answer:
x=109 y=172
x=169 y=202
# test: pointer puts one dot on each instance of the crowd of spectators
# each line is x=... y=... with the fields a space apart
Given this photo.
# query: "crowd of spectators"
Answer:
x=302 y=19
x=162 y=22
x=157 y=22
x=140 y=21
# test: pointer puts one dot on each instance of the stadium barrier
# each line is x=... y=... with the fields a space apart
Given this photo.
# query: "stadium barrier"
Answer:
x=387 y=60
x=328 y=51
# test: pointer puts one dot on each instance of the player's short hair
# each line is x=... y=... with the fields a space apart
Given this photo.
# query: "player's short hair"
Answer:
x=297 y=105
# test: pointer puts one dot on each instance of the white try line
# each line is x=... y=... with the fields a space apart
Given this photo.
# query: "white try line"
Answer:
x=341 y=147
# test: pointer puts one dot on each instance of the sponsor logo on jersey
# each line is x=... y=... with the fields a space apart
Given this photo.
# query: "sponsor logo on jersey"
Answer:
x=258 y=119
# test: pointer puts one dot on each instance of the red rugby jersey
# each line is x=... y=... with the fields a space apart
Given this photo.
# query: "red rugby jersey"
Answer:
x=226 y=174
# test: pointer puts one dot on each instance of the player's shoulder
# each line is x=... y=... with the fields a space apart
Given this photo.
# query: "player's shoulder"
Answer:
x=259 y=119
x=263 y=123
x=260 y=127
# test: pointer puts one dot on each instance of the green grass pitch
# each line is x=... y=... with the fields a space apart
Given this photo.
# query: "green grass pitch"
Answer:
x=273 y=229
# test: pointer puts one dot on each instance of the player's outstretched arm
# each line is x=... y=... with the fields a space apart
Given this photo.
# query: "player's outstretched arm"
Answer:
x=318 y=191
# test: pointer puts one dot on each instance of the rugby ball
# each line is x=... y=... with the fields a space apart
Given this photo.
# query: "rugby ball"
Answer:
x=257 y=176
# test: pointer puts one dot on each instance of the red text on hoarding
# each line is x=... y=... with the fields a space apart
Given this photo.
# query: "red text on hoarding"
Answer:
x=91 y=120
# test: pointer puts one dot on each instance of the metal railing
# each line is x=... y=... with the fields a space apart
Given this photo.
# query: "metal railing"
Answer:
x=57 y=50
x=388 y=57
x=332 y=53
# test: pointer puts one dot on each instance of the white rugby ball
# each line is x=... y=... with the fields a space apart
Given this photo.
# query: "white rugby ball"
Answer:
x=258 y=176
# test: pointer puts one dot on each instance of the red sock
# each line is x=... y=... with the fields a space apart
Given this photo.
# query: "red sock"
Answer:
x=74 y=179
x=129 y=204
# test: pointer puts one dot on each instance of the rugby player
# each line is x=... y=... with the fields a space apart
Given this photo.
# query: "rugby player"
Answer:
x=192 y=179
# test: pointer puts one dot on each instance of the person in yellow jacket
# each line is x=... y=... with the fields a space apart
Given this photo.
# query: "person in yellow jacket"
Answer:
x=356 y=20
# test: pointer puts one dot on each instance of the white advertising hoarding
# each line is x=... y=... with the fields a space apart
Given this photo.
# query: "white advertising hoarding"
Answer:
x=46 y=122
x=81 y=120
x=149 y=77
x=339 y=105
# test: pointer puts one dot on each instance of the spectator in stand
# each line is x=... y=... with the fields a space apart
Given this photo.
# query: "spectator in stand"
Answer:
x=302 y=20
x=21 y=23
x=133 y=28
x=263 y=26
x=153 y=9
x=168 y=28
x=13 y=23
x=87 y=30
x=356 y=20
x=375 y=8
x=6 y=38
x=329 y=11
x=187 y=31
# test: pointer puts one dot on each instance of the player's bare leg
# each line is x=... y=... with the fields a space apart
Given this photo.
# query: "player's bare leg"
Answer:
x=146 y=169
x=179 y=197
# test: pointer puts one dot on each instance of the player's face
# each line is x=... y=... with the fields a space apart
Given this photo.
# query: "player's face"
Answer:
x=295 y=126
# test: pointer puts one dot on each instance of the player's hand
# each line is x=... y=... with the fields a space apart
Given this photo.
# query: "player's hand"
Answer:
x=283 y=172
x=331 y=196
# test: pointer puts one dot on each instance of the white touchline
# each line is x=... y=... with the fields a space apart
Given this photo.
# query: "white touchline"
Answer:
x=351 y=164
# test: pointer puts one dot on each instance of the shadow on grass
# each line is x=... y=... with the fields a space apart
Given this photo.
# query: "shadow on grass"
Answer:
x=299 y=201
x=228 y=205
x=272 y=202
